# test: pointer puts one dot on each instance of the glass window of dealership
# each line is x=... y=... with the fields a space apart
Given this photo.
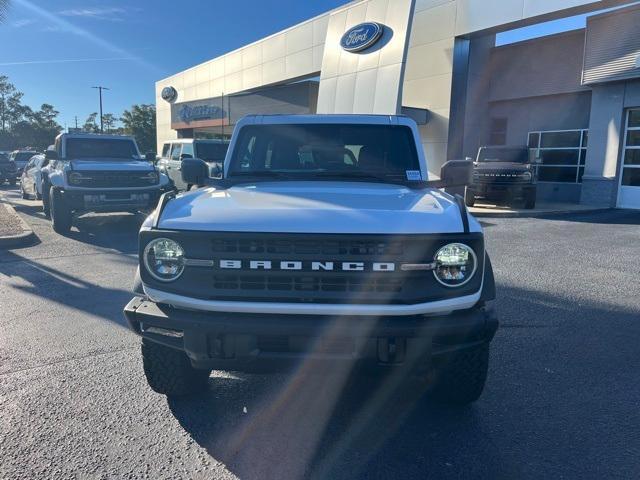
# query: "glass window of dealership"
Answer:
x=573 y=97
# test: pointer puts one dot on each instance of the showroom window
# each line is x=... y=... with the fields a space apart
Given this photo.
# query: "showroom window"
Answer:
x=562 y=154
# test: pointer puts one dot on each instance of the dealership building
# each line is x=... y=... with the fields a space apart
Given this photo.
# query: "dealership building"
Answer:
x=574 y=97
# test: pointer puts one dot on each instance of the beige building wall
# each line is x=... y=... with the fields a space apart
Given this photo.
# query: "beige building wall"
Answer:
x=360 y=82
x=369 y=81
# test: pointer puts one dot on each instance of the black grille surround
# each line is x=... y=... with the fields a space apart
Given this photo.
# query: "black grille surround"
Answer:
x=500 y=176
x=113 y=179
x=307 y=286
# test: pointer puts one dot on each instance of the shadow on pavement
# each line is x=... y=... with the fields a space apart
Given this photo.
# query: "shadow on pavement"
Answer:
x=526 y=425
x=45 y=282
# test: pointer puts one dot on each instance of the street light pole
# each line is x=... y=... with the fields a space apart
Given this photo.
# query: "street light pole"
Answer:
x=100 y=93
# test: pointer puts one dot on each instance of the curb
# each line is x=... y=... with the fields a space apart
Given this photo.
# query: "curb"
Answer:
x=27 y=237
x=534 y=214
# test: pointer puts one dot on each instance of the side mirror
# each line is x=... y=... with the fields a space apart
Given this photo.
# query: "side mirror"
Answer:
x=150 y=157
x=195 y=171
x=185 y=156
x=456 y=173
x=216 y=171
x=50 y=155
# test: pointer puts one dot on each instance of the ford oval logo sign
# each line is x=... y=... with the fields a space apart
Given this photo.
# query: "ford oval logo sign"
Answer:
x=361 y=36
x=169 y=94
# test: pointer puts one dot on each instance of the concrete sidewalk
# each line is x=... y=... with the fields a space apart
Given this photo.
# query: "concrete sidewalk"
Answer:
x=542 y=208
x=14 y=231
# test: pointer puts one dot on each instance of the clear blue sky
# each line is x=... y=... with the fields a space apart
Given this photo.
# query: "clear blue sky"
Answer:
x=133 y=44
x=55 y=50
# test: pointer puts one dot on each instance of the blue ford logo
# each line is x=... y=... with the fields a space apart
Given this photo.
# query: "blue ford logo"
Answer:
x=361 y=36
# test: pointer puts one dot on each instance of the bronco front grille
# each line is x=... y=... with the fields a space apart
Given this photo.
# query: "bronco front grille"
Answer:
x=309 y=247
x=118 y=179
x=248 y=267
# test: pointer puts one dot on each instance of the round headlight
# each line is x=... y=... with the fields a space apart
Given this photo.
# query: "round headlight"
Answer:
x=455 y=264
x=75 y=178
x=164 y=259
x=152 y=177
x=526 y=176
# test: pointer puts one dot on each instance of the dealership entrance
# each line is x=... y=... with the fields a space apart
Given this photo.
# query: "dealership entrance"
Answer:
x=629 y=193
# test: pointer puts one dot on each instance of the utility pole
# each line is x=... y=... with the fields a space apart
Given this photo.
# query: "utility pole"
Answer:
x=76 y=118
x=100 y=93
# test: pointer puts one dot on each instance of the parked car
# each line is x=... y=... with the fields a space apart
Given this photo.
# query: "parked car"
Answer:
x=173 y=152
x=323 y=243
x=503 y=173
x=8 y=170
x=31 y=178
x=98 y=173
x=21 y=157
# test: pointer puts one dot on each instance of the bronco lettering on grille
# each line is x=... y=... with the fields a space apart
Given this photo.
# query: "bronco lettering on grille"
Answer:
x=313 y=266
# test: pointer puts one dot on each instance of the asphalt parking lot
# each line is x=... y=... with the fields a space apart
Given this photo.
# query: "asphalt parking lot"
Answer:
x=562 y=399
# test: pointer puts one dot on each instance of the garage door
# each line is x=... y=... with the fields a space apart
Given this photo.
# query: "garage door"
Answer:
x=629 y=193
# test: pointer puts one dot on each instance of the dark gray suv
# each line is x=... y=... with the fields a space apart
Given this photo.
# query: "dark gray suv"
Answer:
x=503 y=173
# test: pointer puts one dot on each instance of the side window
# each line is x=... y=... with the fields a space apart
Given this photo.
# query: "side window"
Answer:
x=175 y=151
x=165 y=150
x=187 y=148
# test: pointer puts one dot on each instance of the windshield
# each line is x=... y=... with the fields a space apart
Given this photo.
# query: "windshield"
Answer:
x=326 y=151
x=515 y=155
x=212 y=152
x=101 y=148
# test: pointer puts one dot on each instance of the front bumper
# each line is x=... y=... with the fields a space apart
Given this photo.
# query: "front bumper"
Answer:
x=261 y=342
x=498 y=188
x=97 y=200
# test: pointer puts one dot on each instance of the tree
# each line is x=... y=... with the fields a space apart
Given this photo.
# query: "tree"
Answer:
x=90 y=124
x=109 y=120
x=140 y=122
x=7 y=91
x=20 y=126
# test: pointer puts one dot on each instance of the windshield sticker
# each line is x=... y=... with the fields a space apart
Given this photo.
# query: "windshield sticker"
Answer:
x=414 y=175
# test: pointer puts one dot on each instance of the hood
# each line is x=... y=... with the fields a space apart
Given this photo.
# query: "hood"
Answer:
x=111 y=164
x=511 y=166
x=315 y=207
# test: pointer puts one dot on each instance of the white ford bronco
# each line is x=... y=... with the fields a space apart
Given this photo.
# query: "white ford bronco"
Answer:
x=324 y=244
x=86 y=172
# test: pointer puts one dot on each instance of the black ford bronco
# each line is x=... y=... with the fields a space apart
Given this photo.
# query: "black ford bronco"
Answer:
x=503 y=173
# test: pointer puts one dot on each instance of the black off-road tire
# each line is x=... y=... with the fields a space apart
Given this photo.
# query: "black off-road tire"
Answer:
x=169 y=371
x=469 y=197
x=61 y=215
x=460 y=378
